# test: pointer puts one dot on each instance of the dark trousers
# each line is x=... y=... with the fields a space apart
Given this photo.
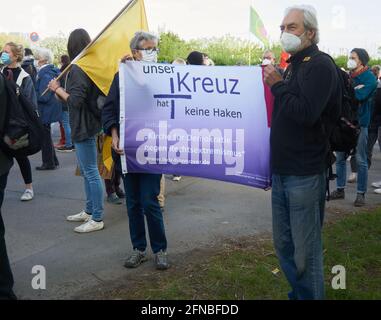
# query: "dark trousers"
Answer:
x=113 y=184
x=6 y=278
x=141 y=194
x=26 y=169
x=49 y=157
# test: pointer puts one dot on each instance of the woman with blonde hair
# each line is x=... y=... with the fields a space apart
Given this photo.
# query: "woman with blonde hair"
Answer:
x=12 y=57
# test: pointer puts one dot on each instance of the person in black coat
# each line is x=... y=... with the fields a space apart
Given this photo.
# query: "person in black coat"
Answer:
x=299 y=151
x=6 y=277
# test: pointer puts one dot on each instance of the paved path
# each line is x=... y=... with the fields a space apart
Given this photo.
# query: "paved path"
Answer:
x=199 y=213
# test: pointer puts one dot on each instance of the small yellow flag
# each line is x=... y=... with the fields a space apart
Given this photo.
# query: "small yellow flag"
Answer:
x=106 y=153
x=101 y=60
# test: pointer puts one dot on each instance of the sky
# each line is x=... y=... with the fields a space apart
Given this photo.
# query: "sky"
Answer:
x=344 y=24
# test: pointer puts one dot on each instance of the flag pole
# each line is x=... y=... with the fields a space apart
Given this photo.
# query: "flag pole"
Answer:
x=129 y=4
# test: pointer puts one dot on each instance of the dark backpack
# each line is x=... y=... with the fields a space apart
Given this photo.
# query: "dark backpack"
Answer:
x=23 y=132
x=340 y=124
x=344 y=132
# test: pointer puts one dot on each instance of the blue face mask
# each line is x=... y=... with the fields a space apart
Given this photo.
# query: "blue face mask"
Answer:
x=5 y=59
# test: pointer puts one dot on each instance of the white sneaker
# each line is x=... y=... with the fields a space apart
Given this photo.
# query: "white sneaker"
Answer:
x=352 y=178
x=80 y=217
x=376 y=185
x=177 y=178
x=90 y=226
x=28 y=195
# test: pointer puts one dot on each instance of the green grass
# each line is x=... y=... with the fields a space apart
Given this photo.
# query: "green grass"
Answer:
x=244 y=271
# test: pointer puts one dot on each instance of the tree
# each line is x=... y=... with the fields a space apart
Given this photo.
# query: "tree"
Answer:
x=172 y=47
x=57 y=44
x=16 y=38
x=223 y=51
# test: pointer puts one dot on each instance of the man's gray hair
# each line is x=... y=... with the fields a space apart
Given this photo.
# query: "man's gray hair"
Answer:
x=142 y=36
x=44 y=54
x=310 y=19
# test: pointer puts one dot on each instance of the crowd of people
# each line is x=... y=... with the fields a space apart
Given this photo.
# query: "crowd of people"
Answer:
x=305 y=92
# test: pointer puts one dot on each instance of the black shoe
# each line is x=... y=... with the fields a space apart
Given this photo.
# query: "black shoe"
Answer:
x=120 y=194
x=46 y=168
x=360 y=200
x=66 y=149
x=339 y=194
x=9 y=297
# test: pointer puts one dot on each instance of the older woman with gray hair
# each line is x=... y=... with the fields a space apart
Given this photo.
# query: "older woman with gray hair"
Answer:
x=49 y=108
x=142 y=190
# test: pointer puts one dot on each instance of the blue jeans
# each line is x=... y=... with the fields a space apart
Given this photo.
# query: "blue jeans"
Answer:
x=87 y=160
x=362 y=164
x=142 y=191
x=67 y=129
x=298 y=205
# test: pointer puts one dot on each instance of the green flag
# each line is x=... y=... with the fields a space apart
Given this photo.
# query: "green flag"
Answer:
x=257 y=27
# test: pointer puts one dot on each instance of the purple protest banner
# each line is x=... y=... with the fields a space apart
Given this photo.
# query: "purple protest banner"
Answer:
x=208 y=122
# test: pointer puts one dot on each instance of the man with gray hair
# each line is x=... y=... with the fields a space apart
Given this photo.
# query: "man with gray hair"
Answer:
x=49 y=107
x=309 y=92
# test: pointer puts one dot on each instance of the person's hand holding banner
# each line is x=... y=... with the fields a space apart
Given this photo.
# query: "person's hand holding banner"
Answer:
x=115 y=142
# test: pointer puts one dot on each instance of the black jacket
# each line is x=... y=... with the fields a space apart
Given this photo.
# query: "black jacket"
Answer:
x=111 y=115
x=299 y=145
x=84 y=124
x=5 y=161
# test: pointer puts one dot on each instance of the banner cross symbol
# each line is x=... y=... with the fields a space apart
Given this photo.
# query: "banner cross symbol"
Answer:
x=173 y=98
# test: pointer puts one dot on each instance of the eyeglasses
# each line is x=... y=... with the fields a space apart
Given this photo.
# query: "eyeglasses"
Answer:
x=149 y=51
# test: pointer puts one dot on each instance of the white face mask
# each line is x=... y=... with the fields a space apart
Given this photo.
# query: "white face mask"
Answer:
x=149 y=57
x=290 y=42
x=35 y=63
x=266 y=62
x=352 y=64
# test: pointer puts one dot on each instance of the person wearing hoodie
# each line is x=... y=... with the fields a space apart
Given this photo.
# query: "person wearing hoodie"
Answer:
x=12 y=57
x=365 y=84
x=49 y=107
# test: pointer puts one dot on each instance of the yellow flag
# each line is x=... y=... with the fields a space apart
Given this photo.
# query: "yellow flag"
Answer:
x=106 y=153
x=101 y=60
